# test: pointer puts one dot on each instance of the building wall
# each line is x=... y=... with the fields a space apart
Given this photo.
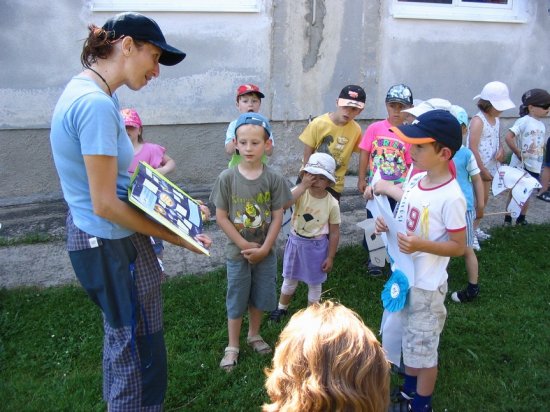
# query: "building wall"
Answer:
x=301 y=53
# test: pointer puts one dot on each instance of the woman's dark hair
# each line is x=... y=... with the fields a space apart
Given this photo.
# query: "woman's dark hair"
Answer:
x=99 y=45
x=484 y=105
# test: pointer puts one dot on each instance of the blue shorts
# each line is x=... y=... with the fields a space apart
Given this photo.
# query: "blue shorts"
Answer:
x=546 y=162
x=254 y=285
x=470 y=217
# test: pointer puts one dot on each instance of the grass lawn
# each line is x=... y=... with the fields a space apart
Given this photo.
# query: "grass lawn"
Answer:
x=494 y=352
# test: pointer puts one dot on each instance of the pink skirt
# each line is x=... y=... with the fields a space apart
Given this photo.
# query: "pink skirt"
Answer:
x=304 y=258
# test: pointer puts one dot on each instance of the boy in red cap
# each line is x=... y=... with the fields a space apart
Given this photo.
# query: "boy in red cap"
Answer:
x=249 y=100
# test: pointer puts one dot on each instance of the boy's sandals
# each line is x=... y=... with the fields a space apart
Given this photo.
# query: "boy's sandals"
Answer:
x=258 y=345
x=544 y=196
x=230 y=358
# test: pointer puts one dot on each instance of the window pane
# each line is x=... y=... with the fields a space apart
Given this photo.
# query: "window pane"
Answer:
x=487 y=1
x=427 y=1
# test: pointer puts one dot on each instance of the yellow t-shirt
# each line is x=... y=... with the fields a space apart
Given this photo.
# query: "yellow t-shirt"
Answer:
x=338 y=141
x=311 y=216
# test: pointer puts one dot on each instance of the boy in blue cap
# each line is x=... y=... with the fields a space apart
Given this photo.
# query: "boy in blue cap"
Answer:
x=249 y=200
x=433 y=209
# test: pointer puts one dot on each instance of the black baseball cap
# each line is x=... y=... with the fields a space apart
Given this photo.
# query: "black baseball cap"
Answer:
x=353 y=96
x=433 y=126
x=140 y=27
x=536 y=97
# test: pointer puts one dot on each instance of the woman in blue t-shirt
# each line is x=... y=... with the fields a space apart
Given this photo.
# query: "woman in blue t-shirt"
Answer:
x=107 y=239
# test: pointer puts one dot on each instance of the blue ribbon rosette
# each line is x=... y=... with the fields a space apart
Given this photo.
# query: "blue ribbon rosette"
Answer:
x=394 y=294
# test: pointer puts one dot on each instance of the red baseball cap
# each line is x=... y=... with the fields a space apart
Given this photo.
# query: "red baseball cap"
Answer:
x=249 y=88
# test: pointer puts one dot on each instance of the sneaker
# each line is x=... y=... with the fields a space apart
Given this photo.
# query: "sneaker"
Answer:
x=522 y=223
x=374 y=271
x=475 y=245
x=277 y=315
x=463 y=296
x=481 y=235
x=400 y=401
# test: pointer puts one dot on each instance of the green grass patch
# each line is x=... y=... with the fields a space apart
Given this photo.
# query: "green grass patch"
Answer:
x=494 y=352
x=28 y=239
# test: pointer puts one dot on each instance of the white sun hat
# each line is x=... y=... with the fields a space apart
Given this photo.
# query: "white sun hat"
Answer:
x=321 y=164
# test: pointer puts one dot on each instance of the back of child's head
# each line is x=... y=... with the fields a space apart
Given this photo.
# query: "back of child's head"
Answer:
x=534 y=97
x=461 y=115
x=439 y=127
x=494 y=95
x=255 y=119
x=249 y=88
x=400 y=93
x=328 y=360
x=352 y=96
x=131 y=119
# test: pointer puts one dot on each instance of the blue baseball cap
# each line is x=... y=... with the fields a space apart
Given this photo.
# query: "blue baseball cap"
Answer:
x=255 y=119
x=433 y=126
x=460 y=114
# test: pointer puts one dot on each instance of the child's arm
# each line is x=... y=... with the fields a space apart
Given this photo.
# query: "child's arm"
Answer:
x=230 y=143
x=308 y=151
x=299 y=189
x=479 y=193
x=388 y=188
x=511 y=142
x=476 y=128
x=222 y=218
x=333 y=240
x=167 y=165
x=256 y=254
x=230 y=147
x=410 y=243
x=364 y=159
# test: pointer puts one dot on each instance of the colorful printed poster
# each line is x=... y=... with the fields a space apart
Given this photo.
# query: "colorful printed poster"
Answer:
x=166 y=203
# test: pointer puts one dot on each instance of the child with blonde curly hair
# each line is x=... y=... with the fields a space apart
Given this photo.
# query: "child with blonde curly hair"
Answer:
x=327 y=360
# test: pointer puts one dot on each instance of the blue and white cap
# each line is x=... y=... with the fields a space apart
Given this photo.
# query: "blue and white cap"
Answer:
x=255 y=119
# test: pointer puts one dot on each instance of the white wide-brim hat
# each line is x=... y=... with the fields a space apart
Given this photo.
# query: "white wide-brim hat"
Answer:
x=321 y=164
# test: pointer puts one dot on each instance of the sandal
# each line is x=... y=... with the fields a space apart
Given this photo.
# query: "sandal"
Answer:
x=230 y=358
x=374 y=271
x=544 y=196
x=258 y=345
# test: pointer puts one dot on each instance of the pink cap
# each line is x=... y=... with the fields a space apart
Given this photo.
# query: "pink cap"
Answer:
x=131 y=117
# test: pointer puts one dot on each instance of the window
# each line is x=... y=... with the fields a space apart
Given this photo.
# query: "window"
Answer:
x=508 y=11
x=242 y=6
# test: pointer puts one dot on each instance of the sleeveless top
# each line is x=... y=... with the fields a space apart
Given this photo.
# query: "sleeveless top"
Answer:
x=489 y=143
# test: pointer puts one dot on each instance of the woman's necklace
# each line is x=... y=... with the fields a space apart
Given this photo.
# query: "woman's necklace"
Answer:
x=104 y=81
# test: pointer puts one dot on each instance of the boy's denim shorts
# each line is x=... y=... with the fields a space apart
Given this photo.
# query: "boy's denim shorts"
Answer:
x=254 y=285
x=470 y=217
x=423 y=320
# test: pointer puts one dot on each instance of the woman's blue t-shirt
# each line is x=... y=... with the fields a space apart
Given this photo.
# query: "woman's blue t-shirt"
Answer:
x=86 y=121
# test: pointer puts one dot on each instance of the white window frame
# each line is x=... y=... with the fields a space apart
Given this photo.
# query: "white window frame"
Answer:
x=225 y=6
x=514 y=12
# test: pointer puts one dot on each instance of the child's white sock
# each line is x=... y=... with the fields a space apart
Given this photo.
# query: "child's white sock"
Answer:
x=281 y=306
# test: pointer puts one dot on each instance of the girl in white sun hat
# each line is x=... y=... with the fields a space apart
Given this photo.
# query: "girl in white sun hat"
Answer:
x=313 y=240
x=484 y=136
